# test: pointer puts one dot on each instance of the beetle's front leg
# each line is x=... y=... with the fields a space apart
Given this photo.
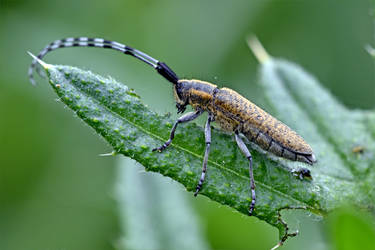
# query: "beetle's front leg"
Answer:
x=185 y=118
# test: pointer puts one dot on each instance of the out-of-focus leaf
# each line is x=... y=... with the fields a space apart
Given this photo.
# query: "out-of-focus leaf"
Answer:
x=350 y=229
x=155 y=213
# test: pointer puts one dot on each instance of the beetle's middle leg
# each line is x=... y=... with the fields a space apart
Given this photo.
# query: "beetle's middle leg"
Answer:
x=246 y=152
x=185 y=118
x=207 y=135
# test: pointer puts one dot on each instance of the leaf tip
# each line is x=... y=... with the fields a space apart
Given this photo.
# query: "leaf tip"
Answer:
x=370 y=50
x=277 y=246
x=42 y=63
x=257 y=48
x=113 y=153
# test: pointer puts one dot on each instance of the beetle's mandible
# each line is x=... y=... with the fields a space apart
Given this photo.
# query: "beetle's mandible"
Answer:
x=230 y=110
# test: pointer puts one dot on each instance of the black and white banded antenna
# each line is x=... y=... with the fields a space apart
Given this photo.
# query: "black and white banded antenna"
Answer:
x=160 y=67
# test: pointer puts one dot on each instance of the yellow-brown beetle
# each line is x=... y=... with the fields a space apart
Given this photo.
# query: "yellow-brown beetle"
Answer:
x=230 y=110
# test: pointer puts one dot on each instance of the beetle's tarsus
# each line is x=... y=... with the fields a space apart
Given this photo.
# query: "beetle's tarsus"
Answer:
x=161 y=148
x=251 y=210
x=302 y=174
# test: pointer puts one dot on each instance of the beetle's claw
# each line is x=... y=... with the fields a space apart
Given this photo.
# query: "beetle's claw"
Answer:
x=160 y=149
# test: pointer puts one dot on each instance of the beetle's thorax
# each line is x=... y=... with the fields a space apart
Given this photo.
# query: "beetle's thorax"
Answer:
x=196 y=93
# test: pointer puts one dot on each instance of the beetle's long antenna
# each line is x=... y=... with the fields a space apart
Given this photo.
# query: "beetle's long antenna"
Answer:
x=160 y=67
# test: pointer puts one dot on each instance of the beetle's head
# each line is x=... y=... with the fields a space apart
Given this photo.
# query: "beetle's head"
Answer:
x=181 y=94
x=196 y=93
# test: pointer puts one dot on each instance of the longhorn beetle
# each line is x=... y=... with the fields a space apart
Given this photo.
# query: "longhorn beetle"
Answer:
x=230 y=110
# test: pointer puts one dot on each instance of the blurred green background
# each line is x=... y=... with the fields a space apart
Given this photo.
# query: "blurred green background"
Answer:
x=56 y=192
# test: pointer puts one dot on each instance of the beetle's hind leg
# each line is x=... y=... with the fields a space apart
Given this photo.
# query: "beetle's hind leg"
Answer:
x=207 y=136
x=185 y=118
x=246 y=152
x=302 y=173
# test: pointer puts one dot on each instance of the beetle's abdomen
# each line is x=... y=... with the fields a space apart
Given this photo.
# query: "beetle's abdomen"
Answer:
x=231 y=109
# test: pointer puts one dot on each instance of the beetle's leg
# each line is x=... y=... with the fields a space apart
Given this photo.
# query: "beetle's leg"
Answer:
x=185 y=118
x=246 y=152
x=207 y=135
x=301 y=173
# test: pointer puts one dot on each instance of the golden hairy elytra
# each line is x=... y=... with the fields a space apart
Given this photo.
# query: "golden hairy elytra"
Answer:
x=231 y=111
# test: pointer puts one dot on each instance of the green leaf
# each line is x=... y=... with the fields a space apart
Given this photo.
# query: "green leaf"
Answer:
x=350 y=229
x=343 y=142
x=155 y=214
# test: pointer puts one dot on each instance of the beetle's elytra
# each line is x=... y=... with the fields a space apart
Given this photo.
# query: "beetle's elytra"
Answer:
x=230 y=110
